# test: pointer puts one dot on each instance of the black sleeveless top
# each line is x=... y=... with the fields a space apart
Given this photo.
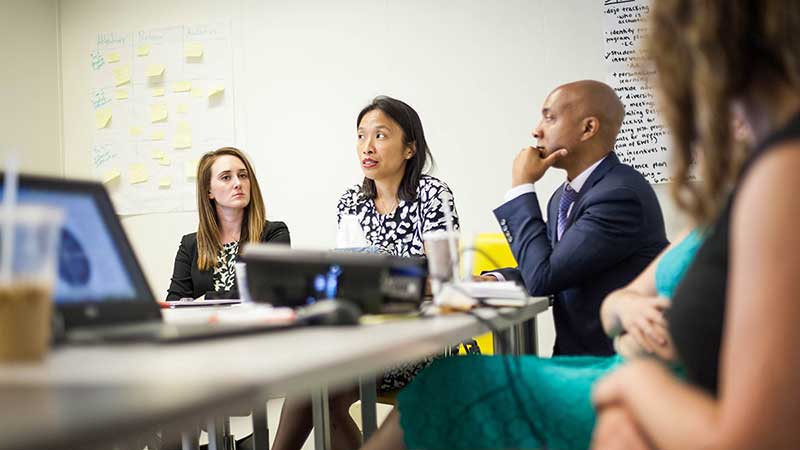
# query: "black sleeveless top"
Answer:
x=698 y=304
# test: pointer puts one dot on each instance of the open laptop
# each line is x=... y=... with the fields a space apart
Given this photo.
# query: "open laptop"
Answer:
x=101 y=293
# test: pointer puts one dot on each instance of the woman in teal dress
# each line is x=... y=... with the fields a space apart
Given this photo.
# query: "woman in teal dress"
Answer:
x=498 y=402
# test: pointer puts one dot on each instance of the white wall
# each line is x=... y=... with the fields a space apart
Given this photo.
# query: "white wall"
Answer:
x=29 y=80
x=476 y=71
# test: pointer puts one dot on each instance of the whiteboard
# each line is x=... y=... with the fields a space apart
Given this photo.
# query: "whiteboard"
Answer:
x=643 y=141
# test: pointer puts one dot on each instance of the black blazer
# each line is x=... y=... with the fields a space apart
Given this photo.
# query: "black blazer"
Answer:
x=189 y=281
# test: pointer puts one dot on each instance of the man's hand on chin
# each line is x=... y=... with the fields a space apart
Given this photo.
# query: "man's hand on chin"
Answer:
x=530 y=166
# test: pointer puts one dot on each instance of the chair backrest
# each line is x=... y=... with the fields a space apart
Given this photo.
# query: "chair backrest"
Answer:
x=496 y=246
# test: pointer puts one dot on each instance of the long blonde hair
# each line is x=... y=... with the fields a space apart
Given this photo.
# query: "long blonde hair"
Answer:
x=208 y=245
x=706 y=54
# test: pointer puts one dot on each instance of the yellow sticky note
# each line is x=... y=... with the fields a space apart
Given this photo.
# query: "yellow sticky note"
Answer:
x=102 y=117
x=165 y=182
x=122 y=75
x=217 y=89
x=164 y=161
x=137 y=173
x=183 y=127
x=183 y=140
x=136 y=131
x=194 y=50
x=121 y=94
x=181 y=86
x=158 y=154
x=182 y=108
x=143 y=50
x=198 y=92
x=158 y=112
x=191 y=169
x=155 y=70
x=157 y=92
x=157 y=135
x=111 y=175
x=112 y=57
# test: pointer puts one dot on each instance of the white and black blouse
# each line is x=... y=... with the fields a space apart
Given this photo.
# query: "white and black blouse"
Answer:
x=400 y=232
x=225 y=270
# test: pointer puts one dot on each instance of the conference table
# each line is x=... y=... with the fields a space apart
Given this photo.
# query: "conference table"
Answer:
x=95 y=395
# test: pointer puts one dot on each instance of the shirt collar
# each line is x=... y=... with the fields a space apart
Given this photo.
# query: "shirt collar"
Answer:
x=577 y=183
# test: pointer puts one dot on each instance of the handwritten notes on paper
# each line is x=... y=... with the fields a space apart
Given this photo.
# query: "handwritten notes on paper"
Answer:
x=152 y=112
x=643 y=139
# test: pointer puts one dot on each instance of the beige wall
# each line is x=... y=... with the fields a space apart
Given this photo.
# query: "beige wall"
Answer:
x=29 y=85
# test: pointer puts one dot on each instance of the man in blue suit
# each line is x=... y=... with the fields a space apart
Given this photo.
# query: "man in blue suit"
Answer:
x=604 y=223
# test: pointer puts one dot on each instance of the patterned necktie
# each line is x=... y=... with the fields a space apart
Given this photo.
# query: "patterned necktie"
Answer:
x=567 y=198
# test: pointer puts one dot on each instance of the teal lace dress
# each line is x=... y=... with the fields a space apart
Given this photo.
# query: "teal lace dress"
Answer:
x=499 y=402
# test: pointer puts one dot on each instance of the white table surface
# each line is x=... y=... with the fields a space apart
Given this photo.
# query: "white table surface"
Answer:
x=290 y=361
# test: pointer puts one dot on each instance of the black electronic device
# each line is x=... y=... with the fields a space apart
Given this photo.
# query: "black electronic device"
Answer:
x=329 y=312
x=283 y=276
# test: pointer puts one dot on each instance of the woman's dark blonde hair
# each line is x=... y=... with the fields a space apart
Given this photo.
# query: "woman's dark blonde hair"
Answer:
x=208 y=244
x=706 y=54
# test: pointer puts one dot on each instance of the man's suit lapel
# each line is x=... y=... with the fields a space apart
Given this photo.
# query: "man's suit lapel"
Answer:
x=599 y=172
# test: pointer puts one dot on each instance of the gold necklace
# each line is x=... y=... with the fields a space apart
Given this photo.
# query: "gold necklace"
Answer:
x=385 y=209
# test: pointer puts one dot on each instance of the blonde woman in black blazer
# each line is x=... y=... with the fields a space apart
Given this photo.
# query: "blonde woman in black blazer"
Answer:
x=231 y=212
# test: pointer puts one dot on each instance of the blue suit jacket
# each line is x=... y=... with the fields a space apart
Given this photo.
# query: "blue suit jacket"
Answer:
x=614 y=231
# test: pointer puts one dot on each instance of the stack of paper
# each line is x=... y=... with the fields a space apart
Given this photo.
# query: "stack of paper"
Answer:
x=499 y=289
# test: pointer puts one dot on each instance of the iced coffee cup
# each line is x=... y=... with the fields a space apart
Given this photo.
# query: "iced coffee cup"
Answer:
x=29 y=238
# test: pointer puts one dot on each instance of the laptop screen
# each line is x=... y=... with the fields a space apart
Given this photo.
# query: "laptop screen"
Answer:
x=89 y=265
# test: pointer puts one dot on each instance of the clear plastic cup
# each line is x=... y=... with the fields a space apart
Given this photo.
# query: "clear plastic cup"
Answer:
x=27 y=277
x=349 y=233
x=440 y=261
x=241 y=281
